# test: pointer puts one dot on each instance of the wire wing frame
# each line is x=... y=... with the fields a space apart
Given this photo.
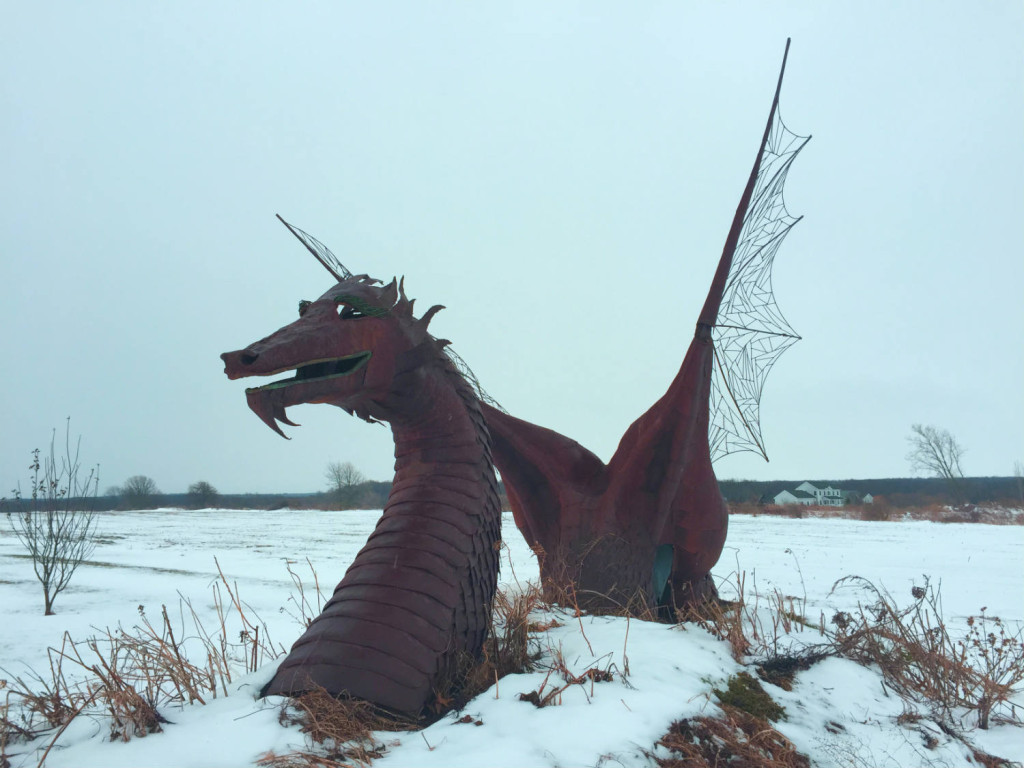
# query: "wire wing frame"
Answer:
x=751 y=333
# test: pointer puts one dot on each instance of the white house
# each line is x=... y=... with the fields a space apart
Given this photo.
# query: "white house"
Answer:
x=824 y=497
x=810 y=495
x=795 y=497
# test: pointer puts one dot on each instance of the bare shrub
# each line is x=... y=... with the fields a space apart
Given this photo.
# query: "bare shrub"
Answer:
x=997 y=656
x=922 y=661
x=58 y=534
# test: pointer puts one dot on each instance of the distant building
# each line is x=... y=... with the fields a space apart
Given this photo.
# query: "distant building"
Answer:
x=795 y=497
x=811 y=496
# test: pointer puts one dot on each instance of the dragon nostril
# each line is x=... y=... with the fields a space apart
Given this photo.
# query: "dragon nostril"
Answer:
x=248 y=358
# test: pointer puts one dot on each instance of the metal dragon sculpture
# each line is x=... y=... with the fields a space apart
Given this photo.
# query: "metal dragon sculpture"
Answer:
x=418 y=595
x=645 y=529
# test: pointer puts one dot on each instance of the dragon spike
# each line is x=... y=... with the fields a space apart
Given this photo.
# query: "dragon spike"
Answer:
x=320 y=251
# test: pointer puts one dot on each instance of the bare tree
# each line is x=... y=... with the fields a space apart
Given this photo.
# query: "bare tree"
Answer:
x=343 y=478
x=202 y=494
x=58 y=528
x=1018 y=472
x=936 y=452
x=138 y=492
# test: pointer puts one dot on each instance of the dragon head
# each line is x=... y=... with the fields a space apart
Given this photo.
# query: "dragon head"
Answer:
x=346 y=349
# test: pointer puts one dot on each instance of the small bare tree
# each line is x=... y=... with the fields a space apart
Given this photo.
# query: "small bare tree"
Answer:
x=343 y=478
x=936 y=452
x=138 y=492
x=58 y=528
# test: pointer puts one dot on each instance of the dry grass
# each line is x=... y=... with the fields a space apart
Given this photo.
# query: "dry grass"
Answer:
x=343 y=731
x=129 y=675
x=737 y=738
x=510 y=647
x=951 y=675
x=306 y=610
x=723 y=619
x=752 y=630
x=560 y=678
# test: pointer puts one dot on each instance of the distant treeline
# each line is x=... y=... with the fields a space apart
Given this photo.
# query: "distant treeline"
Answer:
x=896 y=491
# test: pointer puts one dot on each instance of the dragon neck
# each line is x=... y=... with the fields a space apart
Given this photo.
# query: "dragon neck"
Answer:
x=417 y=596
x=444 y=436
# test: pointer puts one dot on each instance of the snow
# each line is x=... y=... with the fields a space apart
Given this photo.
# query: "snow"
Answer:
x=838 y=711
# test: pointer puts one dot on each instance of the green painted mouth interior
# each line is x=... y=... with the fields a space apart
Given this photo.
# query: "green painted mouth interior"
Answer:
x=319 y=370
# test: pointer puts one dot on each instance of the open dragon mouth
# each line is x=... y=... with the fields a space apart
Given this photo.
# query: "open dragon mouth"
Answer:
x=318 y=370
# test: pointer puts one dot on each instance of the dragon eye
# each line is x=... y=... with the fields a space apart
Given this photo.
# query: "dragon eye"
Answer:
x=350 y=307
x=303 y=306
x=346 y=312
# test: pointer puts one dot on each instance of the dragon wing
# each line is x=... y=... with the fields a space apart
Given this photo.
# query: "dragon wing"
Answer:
x=750 y=332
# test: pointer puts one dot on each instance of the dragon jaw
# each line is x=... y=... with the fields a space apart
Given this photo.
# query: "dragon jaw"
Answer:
x=315 y=381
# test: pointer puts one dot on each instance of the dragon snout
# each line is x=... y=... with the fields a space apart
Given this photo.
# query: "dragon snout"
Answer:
x=236 y=364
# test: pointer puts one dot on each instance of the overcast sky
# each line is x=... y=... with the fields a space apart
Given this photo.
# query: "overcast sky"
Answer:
x=560 y=175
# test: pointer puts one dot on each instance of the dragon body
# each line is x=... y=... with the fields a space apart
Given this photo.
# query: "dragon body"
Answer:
x=417 y=596
x=640 y=532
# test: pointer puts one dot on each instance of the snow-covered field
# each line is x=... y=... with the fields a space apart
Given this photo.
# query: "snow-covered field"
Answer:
x=149 y=559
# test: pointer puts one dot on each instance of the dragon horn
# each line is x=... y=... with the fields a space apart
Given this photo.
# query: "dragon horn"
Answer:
x=322 y=252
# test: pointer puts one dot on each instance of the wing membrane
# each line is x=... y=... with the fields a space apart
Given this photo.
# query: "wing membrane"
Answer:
x=751 y=332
